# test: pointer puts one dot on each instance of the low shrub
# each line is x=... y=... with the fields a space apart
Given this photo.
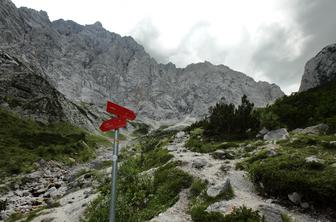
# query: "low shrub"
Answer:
x=241 y=214
x=140 y=128
x=203 y=145
x=197 y=187
x=28 y=141
x=289 y=172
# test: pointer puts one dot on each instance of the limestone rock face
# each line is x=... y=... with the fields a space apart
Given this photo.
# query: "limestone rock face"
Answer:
x=90 y=64
x=26 y=92
x=321 y=69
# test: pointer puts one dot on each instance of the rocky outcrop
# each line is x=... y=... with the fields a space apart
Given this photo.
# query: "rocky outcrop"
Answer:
x=218 y=189
x=88 y=63
x=321 y=69
x=26 y=92
x=319 y=129
x=199 y=163
x=275 y=135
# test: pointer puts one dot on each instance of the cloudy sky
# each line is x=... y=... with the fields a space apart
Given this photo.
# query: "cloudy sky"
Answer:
x=267 y=39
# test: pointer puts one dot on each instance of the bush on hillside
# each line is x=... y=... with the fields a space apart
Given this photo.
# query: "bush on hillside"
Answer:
x=225 y=121
x=299 y=110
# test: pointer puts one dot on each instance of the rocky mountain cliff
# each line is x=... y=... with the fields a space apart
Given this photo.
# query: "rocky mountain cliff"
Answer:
x=90 y=64
x=24 y=91
x=320 y=69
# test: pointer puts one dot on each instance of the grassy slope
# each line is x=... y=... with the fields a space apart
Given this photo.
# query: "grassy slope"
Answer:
x=288 y=171
x=141 y=197
x=24 y=141
x=307 y=108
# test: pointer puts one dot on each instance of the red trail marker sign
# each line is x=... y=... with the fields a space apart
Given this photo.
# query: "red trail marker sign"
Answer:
x=120 y=111
x=120 y=121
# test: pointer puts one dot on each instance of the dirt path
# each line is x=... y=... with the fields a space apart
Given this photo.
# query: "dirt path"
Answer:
x=176 y=213
x=214 y=174
x=72 y=207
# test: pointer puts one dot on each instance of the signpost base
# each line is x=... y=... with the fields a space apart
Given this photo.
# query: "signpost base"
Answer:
x=114 y=175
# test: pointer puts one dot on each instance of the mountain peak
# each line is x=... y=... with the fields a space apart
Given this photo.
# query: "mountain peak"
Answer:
x=90 y=64
x=98 y=24
x=321 y=69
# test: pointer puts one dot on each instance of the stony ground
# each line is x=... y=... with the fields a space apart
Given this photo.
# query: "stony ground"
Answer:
x=63 y=191
x=215 y=171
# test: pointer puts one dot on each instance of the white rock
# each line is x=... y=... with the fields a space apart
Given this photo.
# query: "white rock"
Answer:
x=180 y=134
x=199 y=163
x=314 y=159
x=271 y=153
x=304 y=205
x=262 y=132
x=316 y=130
x=295 y=197
x=275 y=135
x=215 y=190
x=297 y=130
x=271 y=214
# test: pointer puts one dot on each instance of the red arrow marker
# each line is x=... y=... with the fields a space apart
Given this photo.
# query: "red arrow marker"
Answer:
x=112 y=124
x=120 y=111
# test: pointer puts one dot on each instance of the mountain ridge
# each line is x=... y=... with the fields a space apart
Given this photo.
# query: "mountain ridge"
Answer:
x=90 y=64
x=26 y=92
x=320 y=69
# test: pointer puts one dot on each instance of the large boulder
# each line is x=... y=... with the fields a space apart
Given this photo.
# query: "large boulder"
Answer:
x=218 y=189
x=262 y=132
x=270 y=213
x=316 y=130
x=275 y=135
x=180 y=134
x=295 y=197
x=199 y=163
x=223 y=154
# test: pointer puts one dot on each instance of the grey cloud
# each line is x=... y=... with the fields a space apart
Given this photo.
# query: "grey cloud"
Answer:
x=272 y=56
x=147 y=35
x=317 y=21
x=197 y=44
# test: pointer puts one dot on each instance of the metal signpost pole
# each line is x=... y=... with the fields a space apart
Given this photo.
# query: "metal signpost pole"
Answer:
x=122 y=115
x=114 y=175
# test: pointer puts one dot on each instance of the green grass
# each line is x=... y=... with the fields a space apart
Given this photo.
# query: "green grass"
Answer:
x=151 y=152
x=24 y=141
x=142 y=197
x=241 y=214
x=285 y=218
x=289 y=172
x=140 y=128
x=110 y=134
x=197 y=187
x=198 y=143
